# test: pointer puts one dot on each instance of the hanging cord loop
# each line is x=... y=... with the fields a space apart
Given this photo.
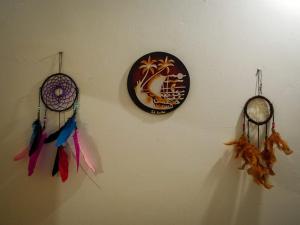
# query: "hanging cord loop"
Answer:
x=258 y=88
x=60 y=62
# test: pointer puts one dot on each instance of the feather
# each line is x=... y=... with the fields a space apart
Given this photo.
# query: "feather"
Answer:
x=239 y=145
x=268 y=154
x=21 y=155
x=275 y=138
x=77 y=147
x=35 y=137
x=66 y=131
x=52 y=137
x=34 y=157
x=260 y=175
x=251 y=157
x=55 y=167
x=63 y=164
x=35 y=128
x=88 y=161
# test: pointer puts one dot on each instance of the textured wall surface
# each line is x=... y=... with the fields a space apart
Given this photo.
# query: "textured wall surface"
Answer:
x=158 y=170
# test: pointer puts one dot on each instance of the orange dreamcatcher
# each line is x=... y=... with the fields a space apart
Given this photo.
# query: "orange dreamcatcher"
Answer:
x=258 y=159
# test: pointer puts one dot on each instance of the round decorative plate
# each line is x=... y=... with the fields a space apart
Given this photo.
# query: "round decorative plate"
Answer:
x=59 y=92
x=158 y=82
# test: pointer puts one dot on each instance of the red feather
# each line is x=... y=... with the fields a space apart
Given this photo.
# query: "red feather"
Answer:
x=63 y=164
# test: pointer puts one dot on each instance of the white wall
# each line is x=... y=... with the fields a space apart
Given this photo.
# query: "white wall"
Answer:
x=158 y=170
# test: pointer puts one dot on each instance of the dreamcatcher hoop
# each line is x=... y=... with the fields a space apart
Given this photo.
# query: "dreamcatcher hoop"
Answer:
x=270 y=106
x=59 y=92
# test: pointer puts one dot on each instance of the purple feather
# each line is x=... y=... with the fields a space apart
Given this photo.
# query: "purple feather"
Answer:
x=34 y=157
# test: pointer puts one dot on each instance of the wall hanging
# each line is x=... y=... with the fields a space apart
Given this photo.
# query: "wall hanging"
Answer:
x=257 y=114
x=58 y=93
x=158 y=82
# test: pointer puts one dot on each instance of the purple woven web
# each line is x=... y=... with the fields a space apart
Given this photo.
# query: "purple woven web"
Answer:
x=59 y=92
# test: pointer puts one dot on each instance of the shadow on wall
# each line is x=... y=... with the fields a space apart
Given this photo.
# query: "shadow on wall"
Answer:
x=232 y=197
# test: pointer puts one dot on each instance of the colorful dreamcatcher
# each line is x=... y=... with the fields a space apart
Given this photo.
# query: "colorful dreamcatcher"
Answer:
x=58 y=93
x=258 y=114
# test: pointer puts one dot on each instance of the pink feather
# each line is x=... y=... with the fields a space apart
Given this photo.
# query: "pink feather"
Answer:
x=21 y=155
x=86 y=158
x=35 y=155
x=88 y=162
x=77 y=147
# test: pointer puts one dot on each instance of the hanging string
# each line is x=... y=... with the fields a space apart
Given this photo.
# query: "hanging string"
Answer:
x=39 y=105
x=248 y=127
x=258 y=137
x=60 y=62
x=75 y=106
x=266 y=135
x=58 y=119
x=244 y=124
x=59 y=70
x=258 y=88
x=45 y=118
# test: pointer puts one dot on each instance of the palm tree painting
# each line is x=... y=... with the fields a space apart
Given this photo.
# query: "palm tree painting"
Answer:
x=158 y=82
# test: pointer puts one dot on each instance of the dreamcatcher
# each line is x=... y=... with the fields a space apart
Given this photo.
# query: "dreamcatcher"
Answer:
x=58 y=93
x=258 y=114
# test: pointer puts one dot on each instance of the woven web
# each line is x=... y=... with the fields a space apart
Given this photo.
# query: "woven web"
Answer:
x=59 y=92
x=259 y=110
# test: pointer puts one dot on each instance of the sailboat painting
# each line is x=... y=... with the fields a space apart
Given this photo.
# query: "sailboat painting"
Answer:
x=158 y=82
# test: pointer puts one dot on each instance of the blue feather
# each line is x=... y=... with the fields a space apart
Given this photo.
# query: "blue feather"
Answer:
x=66 y=131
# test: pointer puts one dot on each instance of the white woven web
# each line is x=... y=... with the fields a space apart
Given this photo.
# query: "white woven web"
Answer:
x=258 y=110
